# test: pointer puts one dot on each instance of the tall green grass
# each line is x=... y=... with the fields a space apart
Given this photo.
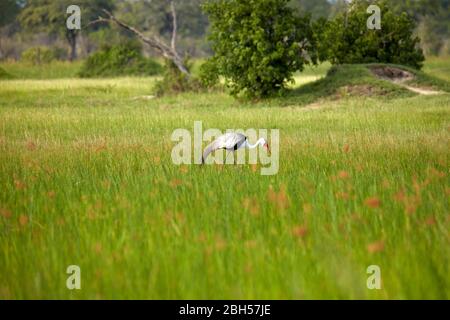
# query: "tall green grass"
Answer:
x=86 y=178
x=54 y=70
x=439 y=67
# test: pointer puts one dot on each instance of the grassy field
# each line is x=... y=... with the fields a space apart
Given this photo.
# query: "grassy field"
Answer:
x=56 y=70
x=439 y=67
x=86 y=178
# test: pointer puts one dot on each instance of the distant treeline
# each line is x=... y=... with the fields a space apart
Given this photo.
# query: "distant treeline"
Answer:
x=41 y=23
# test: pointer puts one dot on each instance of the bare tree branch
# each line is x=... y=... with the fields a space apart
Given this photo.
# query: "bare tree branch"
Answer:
x=168 y=52
x=174 y=25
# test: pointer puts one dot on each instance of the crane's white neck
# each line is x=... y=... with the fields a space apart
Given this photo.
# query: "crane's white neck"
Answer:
x=260 y=142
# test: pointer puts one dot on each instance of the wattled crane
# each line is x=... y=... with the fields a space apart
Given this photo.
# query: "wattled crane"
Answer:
x=231 y=142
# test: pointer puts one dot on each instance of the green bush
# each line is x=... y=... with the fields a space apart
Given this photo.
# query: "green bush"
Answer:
x=174 y=81
x=257 y=44
x=346 y=38
x=43 y=55
x=119 y=60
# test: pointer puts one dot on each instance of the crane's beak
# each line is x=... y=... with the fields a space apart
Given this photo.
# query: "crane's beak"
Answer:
x=268 y=148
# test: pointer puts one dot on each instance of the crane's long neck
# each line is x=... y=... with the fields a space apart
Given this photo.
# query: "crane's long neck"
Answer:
x=253 y=146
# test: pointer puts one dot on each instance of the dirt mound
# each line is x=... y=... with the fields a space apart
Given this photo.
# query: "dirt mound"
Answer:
x=399 y=77
x=391 y=73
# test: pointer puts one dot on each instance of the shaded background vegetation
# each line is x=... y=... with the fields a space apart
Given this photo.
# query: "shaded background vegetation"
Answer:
x=31 y=23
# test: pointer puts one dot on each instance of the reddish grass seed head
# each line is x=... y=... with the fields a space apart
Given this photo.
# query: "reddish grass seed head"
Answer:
x=175 y=183
x=346 y=148
x=19 y=184
x=51 y=194
x=279 y=199
x=343 y=175
x=300 y=231
x=23 y=220
x=5 y=213
x=375 y=247
x=251 y=205
x=342 y=195
x=430 y=221
x=373 y=202
x=184 y=169
x=31 y=146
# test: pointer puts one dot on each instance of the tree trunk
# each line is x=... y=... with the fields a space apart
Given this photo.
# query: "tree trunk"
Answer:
x=1 y=49
x=72 y=39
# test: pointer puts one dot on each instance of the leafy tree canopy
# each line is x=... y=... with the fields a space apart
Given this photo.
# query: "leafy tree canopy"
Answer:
x=8 y=11
x=50 y=16
x=317 y=8
x=258 y=45
x=346 y=38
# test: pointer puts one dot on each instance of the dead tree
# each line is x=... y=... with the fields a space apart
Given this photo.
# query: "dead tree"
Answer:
x=168 y=52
